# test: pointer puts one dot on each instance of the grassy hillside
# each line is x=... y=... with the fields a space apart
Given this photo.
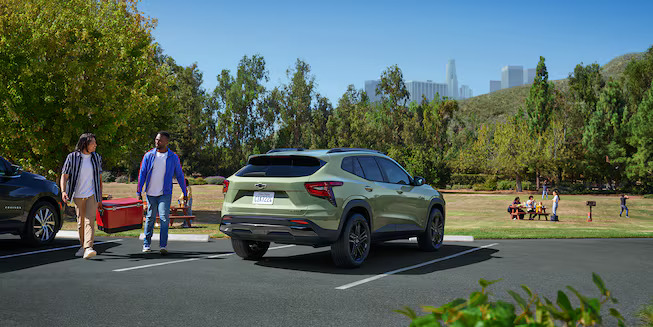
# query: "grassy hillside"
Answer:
x=497 y=106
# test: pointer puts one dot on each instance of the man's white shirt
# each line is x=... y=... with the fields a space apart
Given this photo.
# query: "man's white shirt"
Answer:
x=155 y=186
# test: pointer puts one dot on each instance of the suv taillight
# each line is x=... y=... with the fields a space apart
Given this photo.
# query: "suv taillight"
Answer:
x=322 y=190
x=225 y=186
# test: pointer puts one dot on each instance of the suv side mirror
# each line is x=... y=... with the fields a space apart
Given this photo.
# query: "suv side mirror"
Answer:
x=418 y=181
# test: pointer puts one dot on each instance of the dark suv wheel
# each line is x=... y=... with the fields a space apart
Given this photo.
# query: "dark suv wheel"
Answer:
x=351 y=249
x=250 y=250
x=431 y=239
x=41 y=225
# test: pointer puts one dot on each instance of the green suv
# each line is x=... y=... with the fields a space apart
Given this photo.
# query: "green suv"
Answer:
x=344 y=198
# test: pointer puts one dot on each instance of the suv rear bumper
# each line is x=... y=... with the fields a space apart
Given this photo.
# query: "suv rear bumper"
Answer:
x=277 y=229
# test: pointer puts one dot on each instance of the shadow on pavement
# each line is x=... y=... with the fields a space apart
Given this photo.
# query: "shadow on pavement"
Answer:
x=44 y=258
x=383 y=258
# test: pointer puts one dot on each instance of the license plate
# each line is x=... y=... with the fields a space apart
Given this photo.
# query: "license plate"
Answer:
x=263 y=197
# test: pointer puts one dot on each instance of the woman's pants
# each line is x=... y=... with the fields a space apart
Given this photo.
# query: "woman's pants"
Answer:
x=86 y=208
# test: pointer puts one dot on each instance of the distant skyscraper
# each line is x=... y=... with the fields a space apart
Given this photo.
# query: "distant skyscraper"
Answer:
x=452 y=80
x=529 y=75
x=512 y=76
x=370 y=89
x=465 y=92
x=419 y=89
x=495 y=86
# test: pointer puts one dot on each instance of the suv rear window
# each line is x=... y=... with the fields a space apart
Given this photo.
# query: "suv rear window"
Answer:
x=371 y=169
x=280 y=166
x=350 y=164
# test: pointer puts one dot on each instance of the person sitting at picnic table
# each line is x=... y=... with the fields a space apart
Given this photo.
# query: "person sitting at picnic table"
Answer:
x=530 y=207
x=516 y=206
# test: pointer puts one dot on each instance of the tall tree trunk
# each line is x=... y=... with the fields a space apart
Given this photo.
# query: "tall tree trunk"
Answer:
x=537 y=180
x=518 y=179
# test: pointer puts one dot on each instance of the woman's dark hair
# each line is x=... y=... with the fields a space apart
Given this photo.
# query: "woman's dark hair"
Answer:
x=517 y=199
x=530 y=197
x=84 y=141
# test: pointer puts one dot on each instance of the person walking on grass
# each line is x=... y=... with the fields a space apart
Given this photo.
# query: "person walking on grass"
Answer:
x=545 y=191
x=81 y=182
x=556 y=199
x=158 y=167
x=623 y=198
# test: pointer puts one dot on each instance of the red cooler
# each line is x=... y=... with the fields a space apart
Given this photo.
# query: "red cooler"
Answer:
x=120 y=215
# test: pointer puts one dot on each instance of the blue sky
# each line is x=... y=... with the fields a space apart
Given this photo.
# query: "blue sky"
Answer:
x=348 y=42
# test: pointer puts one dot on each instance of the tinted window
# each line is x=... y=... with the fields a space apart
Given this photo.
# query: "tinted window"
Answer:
x=393 y=172
x=4 y=167
x=350 y=164
x=358 y=170
x=371 y=169
x=280 y=166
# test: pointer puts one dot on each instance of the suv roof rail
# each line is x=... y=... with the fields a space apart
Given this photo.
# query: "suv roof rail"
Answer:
x=336 y=150
x=285 y=149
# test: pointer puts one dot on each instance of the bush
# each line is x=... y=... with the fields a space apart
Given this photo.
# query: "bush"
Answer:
x=108 y=177
x=480 y=187
x=215 y=180
x=468 y=179
x=648 y=196
x=478 y=310
x=505 y=185
x=196 y=181
x=461 y=187
x=490 y=183
x=122 y=179
x=527 y=186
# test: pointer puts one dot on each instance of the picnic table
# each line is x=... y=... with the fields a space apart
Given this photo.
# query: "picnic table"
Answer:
x=179 y=212
x=516 y=211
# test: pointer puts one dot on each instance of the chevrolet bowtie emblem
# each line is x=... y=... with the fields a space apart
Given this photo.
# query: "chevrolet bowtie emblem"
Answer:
x=260 y=186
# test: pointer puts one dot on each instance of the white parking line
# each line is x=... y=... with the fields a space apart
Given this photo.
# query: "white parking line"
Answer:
x=54 y=249
x=366 y=280
x=188 y=260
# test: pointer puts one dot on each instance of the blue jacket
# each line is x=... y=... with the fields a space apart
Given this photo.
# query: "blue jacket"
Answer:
x=173 y=167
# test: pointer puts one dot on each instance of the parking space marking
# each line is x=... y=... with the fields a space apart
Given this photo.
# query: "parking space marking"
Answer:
x=373 y=278
x=189 y=260
x=53 y=249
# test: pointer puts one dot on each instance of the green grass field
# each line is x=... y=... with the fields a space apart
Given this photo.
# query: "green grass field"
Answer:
x=478 y=215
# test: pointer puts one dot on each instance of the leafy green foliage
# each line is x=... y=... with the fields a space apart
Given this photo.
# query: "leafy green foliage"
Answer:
x=531 y=310
x=69 y=67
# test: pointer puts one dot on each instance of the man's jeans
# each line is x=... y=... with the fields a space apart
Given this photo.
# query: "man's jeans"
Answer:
x=622 y=211
x=157 y=205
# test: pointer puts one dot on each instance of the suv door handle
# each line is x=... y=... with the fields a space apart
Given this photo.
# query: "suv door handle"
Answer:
x=368 y=188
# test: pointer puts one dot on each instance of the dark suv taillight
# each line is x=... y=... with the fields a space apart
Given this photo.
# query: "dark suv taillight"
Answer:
x=225 y=186
x=322 y=190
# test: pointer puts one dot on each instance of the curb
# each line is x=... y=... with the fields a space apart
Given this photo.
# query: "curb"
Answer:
x=451 y=238
x=67 y=234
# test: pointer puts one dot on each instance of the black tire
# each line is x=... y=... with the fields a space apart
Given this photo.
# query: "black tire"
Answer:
x=250 y=250
x=353 y=246
x=42 y=224
x=431 y=239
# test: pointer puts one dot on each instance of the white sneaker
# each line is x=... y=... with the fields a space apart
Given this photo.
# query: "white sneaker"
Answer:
x=163 y=251
x=89 y=253
x=146 y=249
x=80 y=252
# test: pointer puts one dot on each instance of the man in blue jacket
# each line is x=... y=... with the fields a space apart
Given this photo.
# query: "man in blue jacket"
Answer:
x=158 y=167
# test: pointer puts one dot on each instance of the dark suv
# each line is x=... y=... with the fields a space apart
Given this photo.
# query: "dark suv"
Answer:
x=344 y=198
x=30 y=205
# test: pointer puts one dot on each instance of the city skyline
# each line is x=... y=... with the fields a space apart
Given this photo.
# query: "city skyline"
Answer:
x=350 y=46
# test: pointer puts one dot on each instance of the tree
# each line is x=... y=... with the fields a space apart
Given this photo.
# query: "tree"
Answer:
x=637 y=78
x=295 y=106
x=392 y=87
x=605 y=134
x=540 y=101
x=246 y=116
x=514 y=150
x=69 y=67
x=192 y=120
x=641 y=165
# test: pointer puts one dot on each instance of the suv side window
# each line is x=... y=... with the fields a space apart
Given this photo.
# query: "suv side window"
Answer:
x=371 y=169
x=351 y=164
x=393 y=172
x=4 y=167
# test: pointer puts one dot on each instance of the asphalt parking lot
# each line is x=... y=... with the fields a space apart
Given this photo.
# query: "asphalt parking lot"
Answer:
x=206 y=284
